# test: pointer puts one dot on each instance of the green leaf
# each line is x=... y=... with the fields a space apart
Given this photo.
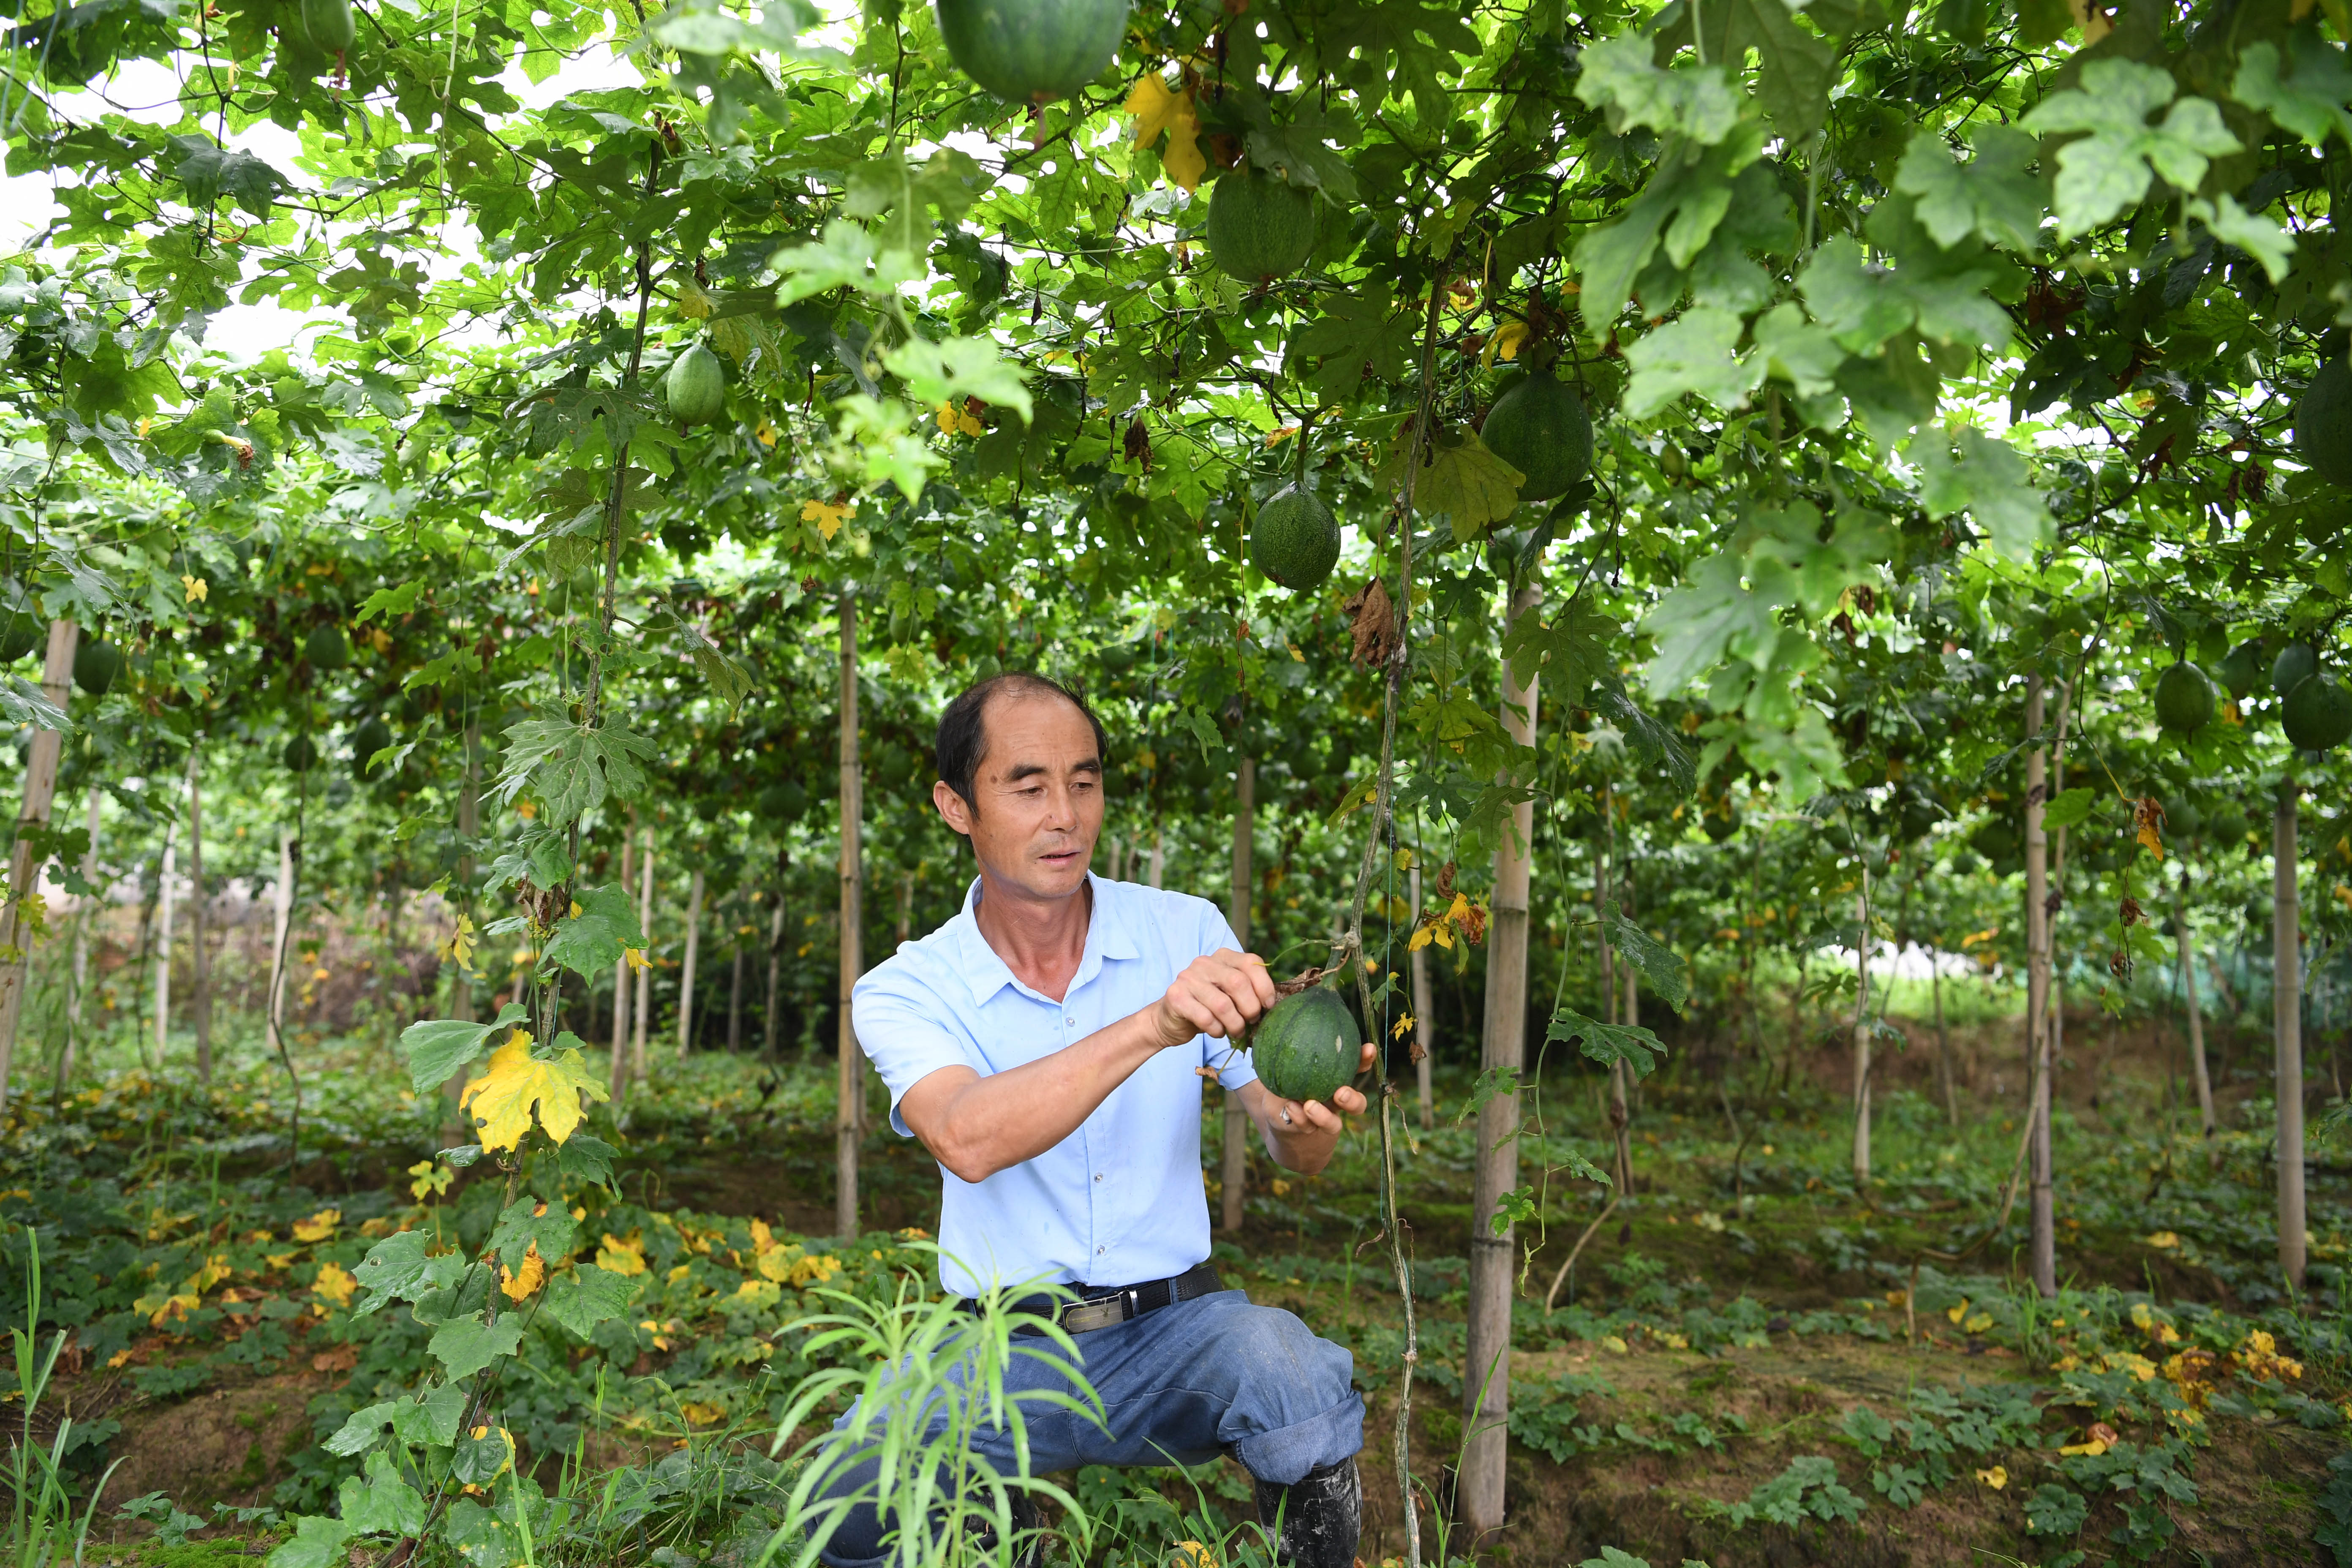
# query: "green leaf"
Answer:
x=433 y=1420
x=317 y=1544
x=586 y=1160
x=1795 y=69
x=382 y=1503
x=1359 y=335
x=1608 y=1044
x=1621 y=74
x=1990 y=480
x=389 y=601
x=1460 y=480
x=1572 y=652
x=2069 y=808
x=2108 y=169
x=580 y=1298
x=845 y=257
x=1694 y=353
x=571 y=765
x=394 y=1269
x=2253 y=233
x=590 y=943
x=208 y=173
x=1993 y=197
x=956 y=368
x=2310 y=100
x=531 y=1222
x=1657 y=962
x=465 y=1345
x=438 y=1048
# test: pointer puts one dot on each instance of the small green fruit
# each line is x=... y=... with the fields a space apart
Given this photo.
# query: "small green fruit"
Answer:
x=326 y=648
x=2226 y=827
x=2243 y=667
x=2323 y=423
x=1539 y=427
x=1306 y=1046
x=2184 y=699
x=1033 y=51
x=369 y=739
x=2318 y=716
x=96 y=664
x=300 y=755
x=21 y=632
x=695 y=386
x=1260 y=228
x=1996 y=841
x=2296 y=663
x=1295 y=541
x=329 y=25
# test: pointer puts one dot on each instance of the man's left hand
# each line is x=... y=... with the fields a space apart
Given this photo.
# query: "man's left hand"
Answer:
x=1301 y=1135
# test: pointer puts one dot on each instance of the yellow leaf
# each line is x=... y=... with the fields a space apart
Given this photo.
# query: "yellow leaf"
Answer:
x=701 y=1413
x=1276 y=437
x=693 y=301
x=1506 y=343
x=2154 y=845
x=197 y=588
x=1153 y=106
x=2164 y=1241
x=1422 y=938
x=766 y=435
x=1611 y=1343
x=516 y=1286
x=618 y=1257
x=1183 y=159
x=1957 y=1313
x=2095 y=1447
x=827 y=517
x=501 y=1100
x=1191 y=1555
x=335 y=1284
x=1403 y=1024
x=1977 y=1323
x=319 y=1227
x=1996 y=1477
x=1444 y=934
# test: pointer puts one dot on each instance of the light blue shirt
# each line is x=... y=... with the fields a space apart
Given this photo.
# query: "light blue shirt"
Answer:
x=1121 y=1200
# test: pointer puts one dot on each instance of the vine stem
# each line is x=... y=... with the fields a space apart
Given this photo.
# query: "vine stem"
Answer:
x=1353 y=943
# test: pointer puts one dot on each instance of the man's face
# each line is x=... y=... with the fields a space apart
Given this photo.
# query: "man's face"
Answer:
x=1038 y=793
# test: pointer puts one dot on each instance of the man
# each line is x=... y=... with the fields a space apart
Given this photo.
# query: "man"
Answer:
x=1043 y=1045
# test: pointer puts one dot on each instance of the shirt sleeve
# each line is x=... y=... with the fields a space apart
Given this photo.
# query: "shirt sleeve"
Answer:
x=1225 y=1057
x=906 y=1032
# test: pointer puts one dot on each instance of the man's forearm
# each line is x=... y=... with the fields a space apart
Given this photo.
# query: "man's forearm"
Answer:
x=985 y=1125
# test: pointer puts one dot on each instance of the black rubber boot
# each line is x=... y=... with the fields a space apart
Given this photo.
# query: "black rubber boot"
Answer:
x=1315 y=1522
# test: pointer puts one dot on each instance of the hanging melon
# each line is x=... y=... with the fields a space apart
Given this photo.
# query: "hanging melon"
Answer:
x=1539 y=427
x=695 y=386
x=2184 y=699
x=1306 y=1047
x=1295 y=540
x=1033 y=51
x=1261 y=226
x=2323 y=423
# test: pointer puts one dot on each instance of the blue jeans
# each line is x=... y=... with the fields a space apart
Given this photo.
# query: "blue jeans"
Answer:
x=1181 y=1385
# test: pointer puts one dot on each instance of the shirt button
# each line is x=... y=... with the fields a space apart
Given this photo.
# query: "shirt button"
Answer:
x=1100 y=1250
x=1098 y=1176
x=1071 y=1022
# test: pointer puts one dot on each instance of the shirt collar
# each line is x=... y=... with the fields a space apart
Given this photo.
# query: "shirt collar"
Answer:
x=1107 y=938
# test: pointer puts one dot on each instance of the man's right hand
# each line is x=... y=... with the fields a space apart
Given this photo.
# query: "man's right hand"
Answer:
x=1220 y=995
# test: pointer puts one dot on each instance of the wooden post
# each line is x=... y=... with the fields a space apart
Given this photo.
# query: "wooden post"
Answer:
x=40 y=788
x=91 y=904
x=848 y=1117
x=469 y=828
x=2189 y=1001
x=686 y=977
x=1159 y=864
x=2286 y=1022
x=1943 y=1041
x=1424 y=1027
x=621 y=987
x=2044 y=1255
x=1233 y=1171
x=164 y=878
x=281 y=908
x=1861 y=1033
x=201 y=1000
x=1486 y=1365
x=644 y=986
x=775 y=969
x=735 y=990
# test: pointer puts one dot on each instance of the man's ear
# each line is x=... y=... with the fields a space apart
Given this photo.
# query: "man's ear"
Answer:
x=953 y=809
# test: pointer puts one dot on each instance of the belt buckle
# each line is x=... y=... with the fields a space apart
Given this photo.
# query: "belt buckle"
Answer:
x=1102 y=1312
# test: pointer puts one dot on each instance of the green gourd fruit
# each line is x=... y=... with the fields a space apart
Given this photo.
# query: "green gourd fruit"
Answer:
x=21 y=632
x=695 y=386
x=369 y=739
x=2184 y=699
x=1261 y=227
x=1996 y=841
x=2226 y=827
x=329 y=24
x=326 y=648
x=1033 y=51
x=2243 y=667
x=2183 y=819
x=1539 y=427
x=1295 y=541
x=300 y=755
x=2296 y=663
x=2318 y=716
x=2323 y=423
x=1306 y=1046
x=96 y=664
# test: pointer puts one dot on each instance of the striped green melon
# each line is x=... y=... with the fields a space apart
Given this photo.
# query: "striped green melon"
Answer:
x=1305 y=1045
x=1539 y=427
x=1033 y=51
x=1295 y=541
x=2323 y=423
x=1261 y=226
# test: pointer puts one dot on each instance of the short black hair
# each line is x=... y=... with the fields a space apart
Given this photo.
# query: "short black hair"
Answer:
x=962 y=741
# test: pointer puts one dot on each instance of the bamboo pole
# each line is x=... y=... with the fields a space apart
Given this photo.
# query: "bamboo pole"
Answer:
x=1486 y=1366
x=2286 y=1022
x=644 y=986
x=165 y=875
x=1424 y=1027
x=1862 y=1032
x=1234 y=1166
x=40 y=789
x=200 y=998
x=621 y=985
x=2043 y=1254
x=735 y=988
x=91 y=904
x=775 y=971
x=848 y=1117
x=2189 y=1001
x=686 y=978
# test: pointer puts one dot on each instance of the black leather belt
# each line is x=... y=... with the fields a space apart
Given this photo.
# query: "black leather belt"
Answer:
x=1100 y=1306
